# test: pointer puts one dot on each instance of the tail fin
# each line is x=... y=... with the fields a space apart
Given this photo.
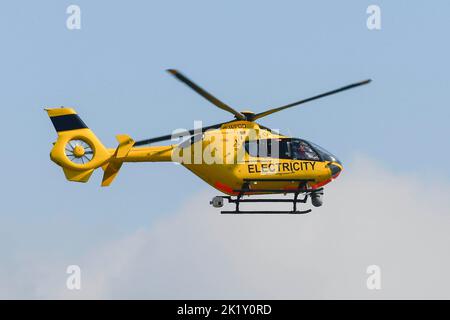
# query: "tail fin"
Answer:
x=77 y=150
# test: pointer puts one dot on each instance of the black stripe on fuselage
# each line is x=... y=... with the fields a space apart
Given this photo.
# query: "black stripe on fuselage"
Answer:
x=68 y=122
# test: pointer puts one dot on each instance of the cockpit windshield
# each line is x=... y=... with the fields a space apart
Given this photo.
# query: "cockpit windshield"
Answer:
x=324 y=154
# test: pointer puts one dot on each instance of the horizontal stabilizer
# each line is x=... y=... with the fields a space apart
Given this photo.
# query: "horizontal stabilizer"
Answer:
x=112 y=168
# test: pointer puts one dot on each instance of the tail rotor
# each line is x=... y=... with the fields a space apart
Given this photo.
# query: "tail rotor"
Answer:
x=79 y=151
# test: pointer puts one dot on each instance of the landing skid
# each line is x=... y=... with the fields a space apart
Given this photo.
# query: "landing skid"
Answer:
x=237 y=200
x=246 y=190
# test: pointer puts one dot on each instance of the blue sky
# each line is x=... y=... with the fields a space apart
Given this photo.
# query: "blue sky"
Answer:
x=251 y=54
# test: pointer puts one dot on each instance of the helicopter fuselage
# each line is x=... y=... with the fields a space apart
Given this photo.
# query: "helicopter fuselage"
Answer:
x=259 y=167
x=242 y=153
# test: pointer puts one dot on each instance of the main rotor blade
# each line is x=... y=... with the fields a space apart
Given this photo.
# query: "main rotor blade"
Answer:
x=170 y=136
x=266 y=113
x=205 y=94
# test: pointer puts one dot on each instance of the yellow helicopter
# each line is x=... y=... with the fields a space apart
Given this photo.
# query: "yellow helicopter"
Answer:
x=238 y=157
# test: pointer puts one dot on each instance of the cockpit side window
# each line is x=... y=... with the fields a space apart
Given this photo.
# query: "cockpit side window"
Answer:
x=301 y=150
x=284 y=148
x=259 y=148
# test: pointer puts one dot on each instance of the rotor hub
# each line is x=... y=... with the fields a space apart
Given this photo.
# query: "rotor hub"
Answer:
x=248 y=114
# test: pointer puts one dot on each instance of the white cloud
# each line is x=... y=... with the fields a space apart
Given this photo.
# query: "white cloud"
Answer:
x=370 y=216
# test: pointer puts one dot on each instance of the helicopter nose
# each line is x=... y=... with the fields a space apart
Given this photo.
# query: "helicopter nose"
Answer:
x=335 y=169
